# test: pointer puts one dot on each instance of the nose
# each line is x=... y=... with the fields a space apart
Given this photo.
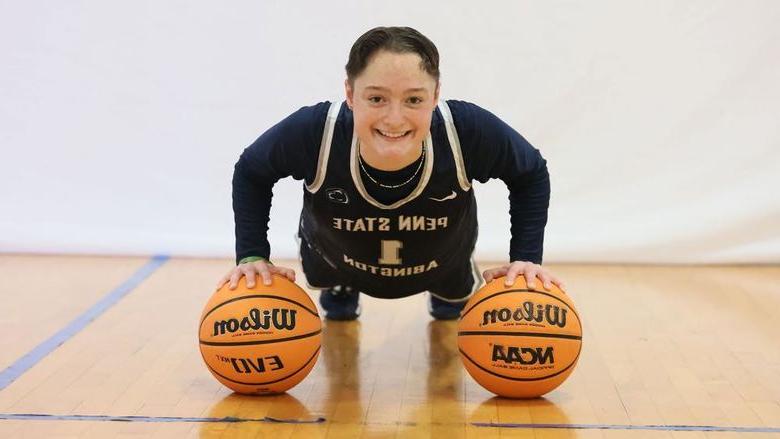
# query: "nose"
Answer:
x=394 y=116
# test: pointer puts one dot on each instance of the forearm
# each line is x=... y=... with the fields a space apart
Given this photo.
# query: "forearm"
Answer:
x=529 y=199
x=251 y=211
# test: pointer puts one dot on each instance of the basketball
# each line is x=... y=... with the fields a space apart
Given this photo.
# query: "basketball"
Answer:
x=261 y=340
x=519 y=342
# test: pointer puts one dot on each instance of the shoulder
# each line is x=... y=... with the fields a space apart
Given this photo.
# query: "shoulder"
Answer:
x=299 y=128
x=478 y=128
x=490 y=147
x=290 y=146
x=471 y=119
x=307 y=118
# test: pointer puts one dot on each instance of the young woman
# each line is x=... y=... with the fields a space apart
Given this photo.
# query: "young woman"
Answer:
x=388 y=208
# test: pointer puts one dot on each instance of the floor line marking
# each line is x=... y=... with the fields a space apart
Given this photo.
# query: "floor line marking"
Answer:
x=109 y=418
x=633 y=427
x=317 y=420
x=26 y=362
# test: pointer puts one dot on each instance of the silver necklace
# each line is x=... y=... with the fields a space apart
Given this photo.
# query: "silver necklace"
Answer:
x=392 y=186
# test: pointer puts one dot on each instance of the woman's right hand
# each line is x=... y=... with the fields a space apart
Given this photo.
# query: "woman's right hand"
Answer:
x=251 y=269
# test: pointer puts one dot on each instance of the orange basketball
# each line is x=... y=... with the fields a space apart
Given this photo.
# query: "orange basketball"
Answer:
x=519 y=342
x=262 y=340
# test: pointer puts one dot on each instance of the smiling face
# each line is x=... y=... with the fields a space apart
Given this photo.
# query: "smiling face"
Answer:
x=392 y=102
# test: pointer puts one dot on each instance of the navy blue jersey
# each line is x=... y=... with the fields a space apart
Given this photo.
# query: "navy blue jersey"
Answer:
x=402 y=246
x=394 y=249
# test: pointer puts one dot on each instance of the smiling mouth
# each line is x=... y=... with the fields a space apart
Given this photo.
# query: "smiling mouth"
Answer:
x=393 y=136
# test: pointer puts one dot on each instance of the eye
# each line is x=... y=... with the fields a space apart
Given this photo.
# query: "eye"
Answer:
x=375 y=99
x=415 y=100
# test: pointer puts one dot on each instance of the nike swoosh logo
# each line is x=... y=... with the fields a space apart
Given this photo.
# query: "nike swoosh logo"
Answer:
x=448 y=197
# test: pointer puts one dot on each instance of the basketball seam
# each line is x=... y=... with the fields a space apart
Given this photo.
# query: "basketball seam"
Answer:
x=250 y=343
x=527 y=334
x=266 y=382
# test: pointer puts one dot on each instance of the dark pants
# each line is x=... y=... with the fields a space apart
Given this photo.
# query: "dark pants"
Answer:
x=453 y=285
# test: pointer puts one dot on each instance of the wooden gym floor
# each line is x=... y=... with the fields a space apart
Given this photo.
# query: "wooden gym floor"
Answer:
x=683 y=352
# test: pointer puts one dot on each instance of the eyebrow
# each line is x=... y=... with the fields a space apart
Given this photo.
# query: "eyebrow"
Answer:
x=411 y=90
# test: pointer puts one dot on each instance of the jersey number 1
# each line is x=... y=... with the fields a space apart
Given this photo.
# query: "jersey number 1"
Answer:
x=390 y=253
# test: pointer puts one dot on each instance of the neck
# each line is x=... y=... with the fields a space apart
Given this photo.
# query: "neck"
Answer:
x=394 y=163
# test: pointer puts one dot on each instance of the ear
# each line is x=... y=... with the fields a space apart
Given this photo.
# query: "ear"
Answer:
x=350 y=93
x=436 y=93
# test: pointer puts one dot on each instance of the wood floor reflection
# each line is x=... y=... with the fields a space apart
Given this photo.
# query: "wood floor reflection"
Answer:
x=664 y=346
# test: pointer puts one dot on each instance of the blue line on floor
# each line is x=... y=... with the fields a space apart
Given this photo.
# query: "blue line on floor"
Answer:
x=634 y=427
x=23 y=364
x=230 y=419
x=102 y=418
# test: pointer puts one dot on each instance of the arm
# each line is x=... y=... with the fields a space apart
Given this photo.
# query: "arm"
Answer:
x=289 y=148
x=493 y=149
x=252 y=193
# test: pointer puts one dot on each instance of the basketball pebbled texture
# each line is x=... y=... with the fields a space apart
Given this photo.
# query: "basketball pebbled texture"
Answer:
x=519 y=342
x=262 y=340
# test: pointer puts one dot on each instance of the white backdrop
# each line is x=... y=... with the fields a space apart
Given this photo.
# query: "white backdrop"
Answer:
x=120 y=121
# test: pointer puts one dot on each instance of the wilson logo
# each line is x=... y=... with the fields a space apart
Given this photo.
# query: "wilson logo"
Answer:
x=520 y=355
x=551 y=314
x=276 y=318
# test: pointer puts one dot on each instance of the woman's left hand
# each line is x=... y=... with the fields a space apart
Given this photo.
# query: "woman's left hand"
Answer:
x=529 y=270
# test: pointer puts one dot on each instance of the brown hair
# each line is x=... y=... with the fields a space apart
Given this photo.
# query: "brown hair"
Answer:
x=392 y=39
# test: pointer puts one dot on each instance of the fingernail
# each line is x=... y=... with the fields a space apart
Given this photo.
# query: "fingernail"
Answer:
x=547 y=286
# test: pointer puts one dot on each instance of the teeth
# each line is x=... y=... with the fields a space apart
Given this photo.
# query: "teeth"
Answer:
x=393 y=135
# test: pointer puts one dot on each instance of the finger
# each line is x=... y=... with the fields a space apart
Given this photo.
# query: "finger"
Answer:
x=250 y=278
x=493 y=273
x=530 y=276
x=234 y=277
x=511 y=274
x=546 y=280
x=290 y=274
x=223 y=281
x=265 y=273
x=555 y=280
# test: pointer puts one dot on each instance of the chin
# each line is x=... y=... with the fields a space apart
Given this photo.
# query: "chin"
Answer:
x=398 y=156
